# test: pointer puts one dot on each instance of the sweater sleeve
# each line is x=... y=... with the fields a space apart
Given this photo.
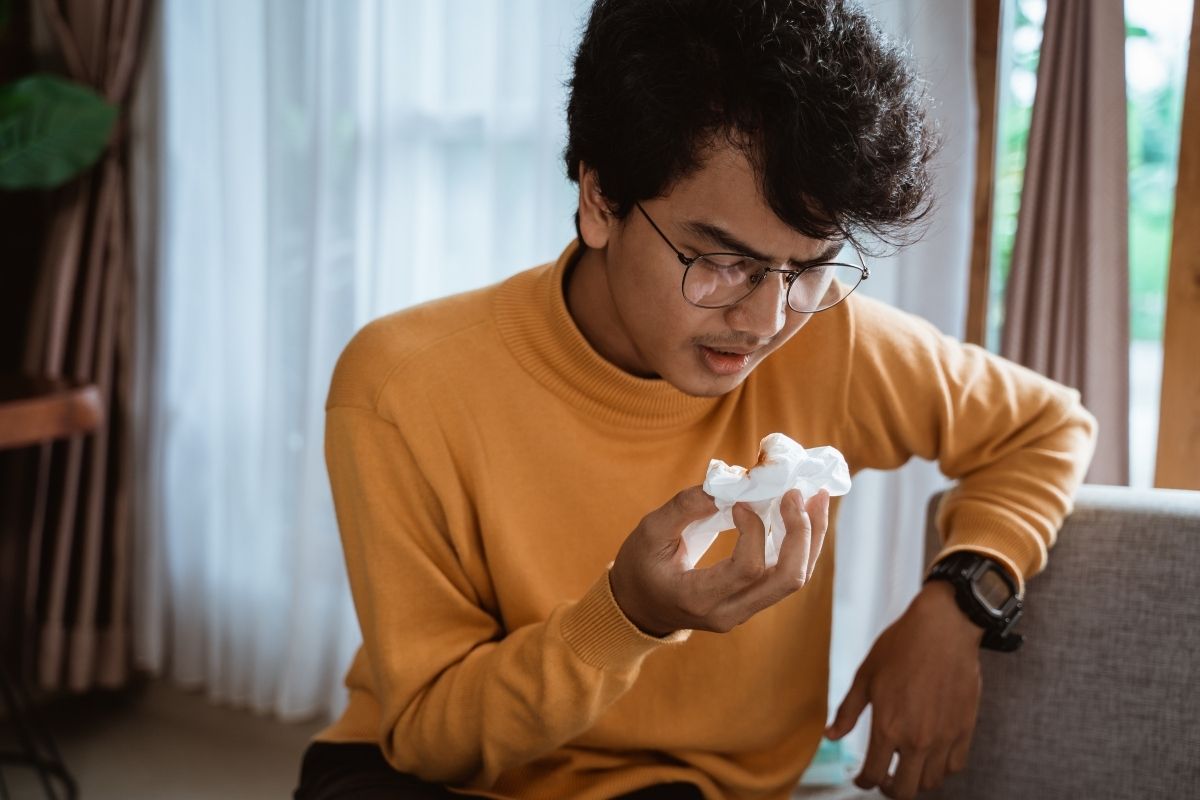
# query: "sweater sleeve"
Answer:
x=460 y=698
x=1017 y=443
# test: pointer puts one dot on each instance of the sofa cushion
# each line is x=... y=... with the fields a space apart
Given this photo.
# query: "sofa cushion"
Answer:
x=1103 y=700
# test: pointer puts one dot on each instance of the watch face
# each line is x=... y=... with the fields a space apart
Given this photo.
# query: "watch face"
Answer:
x=992 y=589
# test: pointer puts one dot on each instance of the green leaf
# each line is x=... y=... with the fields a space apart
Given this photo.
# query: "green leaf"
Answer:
x=50 y=130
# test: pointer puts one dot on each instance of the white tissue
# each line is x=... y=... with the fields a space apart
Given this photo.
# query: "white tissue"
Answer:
x=783 y=465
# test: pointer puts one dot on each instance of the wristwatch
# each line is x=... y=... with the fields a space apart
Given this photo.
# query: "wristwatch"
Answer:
x=986 y=593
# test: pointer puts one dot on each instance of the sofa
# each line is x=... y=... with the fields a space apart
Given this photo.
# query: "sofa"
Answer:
x=1103 y=700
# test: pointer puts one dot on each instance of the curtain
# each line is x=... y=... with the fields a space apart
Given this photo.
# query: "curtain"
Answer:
x=1067 y=301
x=323 y=163
x=880 y=547
x=78 y=579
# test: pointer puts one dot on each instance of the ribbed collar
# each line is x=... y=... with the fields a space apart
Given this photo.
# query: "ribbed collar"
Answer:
x=533 y=319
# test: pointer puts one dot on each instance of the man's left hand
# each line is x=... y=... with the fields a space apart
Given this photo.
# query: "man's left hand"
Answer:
x=922 y=681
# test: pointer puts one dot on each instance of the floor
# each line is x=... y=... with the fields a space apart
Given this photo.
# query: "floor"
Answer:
x=163 y=743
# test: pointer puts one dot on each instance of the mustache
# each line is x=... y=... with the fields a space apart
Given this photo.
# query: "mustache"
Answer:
x=733 y=344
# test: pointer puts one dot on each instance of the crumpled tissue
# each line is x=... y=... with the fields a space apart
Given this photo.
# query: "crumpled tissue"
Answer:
x=782 y=465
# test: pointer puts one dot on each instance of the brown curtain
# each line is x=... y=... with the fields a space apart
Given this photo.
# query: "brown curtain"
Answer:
x=1067 y=304
x=76 y=598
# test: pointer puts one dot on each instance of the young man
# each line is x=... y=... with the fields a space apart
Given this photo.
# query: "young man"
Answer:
x=511 y=466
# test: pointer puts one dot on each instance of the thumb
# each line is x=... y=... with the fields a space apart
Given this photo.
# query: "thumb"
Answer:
x=688 y=506
x=850 y=710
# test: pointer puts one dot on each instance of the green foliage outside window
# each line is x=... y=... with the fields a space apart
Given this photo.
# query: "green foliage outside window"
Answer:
x=1155 y=112
x=1154 y=106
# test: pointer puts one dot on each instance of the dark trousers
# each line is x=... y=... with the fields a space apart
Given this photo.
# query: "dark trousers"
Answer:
x=360 y=772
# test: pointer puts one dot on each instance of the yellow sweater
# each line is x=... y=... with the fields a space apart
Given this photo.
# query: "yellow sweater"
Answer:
x=486 y=464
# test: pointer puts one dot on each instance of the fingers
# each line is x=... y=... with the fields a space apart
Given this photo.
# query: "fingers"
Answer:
x=936 y=769
x=712 y=588
x=688 y=506
x=745 y=565
x=879 y=758
x=917 y=768
x=731 y=591
x=794 y=567
x=692 y=504
x=818 y=514
x=850 y=710
x=749 y=554
x=795 y=555
x=789 y=573
x=957 y=760
x=904 y=782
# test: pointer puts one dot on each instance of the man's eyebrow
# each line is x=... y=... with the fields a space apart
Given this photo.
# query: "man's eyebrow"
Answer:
x=732 y=244
x=828 y=254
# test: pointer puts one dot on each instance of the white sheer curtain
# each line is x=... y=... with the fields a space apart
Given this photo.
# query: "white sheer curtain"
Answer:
x=880 y=551
x=323 y=163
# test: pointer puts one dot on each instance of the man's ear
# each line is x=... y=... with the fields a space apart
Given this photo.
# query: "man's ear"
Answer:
x=596 y=221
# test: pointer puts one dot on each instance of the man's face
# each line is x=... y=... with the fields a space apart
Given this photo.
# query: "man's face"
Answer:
x=626 y=293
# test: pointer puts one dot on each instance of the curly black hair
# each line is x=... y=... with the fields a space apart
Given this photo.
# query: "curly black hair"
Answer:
x=826 y=109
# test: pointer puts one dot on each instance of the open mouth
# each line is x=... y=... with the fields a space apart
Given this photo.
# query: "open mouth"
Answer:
x=725 y=362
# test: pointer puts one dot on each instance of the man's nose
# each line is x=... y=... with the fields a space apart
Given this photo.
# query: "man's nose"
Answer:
x=764 y=313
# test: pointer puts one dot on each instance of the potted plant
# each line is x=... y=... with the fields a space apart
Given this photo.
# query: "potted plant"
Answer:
x=51 y=129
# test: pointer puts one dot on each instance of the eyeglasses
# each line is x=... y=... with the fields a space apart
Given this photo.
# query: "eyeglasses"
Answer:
x=720 y=280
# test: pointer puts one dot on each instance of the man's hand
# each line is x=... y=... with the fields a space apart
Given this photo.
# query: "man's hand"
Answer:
x=922 y=681
x=660 y=595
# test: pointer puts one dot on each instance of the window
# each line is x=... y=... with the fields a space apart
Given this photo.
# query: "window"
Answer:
x=1156 y=48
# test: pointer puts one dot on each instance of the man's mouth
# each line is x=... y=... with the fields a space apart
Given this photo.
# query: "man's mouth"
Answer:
x=725 y=362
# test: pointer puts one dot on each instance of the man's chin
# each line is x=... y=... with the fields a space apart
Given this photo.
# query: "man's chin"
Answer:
x=713 y=391
x=703 y=383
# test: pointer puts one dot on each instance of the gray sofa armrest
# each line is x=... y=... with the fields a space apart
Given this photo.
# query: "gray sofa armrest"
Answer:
x=1103 y=701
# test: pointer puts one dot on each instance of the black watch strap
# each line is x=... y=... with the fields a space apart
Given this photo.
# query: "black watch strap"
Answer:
x=986 y=593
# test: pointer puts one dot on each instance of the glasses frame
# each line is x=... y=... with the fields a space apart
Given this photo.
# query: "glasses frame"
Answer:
x=790 y=275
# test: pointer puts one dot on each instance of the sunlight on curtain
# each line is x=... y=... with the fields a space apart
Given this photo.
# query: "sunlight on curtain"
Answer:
x=323 y=163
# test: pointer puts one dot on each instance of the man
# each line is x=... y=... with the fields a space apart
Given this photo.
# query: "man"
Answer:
x=509 y=466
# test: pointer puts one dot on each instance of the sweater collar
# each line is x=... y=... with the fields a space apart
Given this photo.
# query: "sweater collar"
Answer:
x=533 y=319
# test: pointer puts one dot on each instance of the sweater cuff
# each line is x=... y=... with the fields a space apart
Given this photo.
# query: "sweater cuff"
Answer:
x=993 y=534
x=601 y=635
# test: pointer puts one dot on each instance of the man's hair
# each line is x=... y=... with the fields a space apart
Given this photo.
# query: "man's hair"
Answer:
x=827 y=111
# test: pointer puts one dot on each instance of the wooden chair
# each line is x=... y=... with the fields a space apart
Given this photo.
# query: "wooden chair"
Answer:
x=33 y=411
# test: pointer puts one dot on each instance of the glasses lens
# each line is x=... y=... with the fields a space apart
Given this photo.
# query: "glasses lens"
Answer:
x=821 y=287
x=716 y=280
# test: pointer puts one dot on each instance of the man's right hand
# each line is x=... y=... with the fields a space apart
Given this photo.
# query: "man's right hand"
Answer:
x=659 y=594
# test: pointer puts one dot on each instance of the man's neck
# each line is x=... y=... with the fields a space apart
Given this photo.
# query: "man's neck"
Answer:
x=590 y=304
